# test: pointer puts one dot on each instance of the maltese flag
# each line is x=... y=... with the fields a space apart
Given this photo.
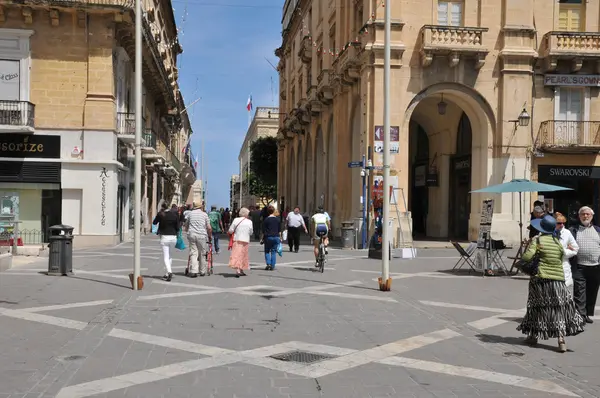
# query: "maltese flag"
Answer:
x=249 y=104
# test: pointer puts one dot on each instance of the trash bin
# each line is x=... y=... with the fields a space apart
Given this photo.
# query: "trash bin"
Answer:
x=60 y=258
x=348 y=234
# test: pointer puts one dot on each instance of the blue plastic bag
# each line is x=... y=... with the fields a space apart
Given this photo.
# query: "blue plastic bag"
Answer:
x=180 y=242
x=155 y=229
x=280 y=249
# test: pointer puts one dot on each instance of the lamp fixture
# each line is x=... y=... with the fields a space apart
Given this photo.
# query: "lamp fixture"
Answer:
x=442 y=106
x=523 y=119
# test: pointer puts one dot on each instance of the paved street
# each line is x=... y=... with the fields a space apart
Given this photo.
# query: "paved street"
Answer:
x=292 y=332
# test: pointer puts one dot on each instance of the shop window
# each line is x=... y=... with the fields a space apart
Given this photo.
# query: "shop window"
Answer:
x=450 y=13
x=570 y=113
x=571 y=15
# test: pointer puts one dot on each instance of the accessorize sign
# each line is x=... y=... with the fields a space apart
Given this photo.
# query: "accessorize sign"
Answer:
x=572 y=80
x=29 y=146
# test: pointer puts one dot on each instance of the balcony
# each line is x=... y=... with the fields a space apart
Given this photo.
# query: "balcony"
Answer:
x=175 y=162
x=570 y=46
x=576 y=137
x=348 y=64
x=17 y=116
x=126 y=127
x=306 y=49
x=325 y=87
x=453 y=42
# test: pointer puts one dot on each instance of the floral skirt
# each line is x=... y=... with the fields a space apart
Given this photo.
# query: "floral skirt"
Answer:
x=551 y=311
x=239 y=256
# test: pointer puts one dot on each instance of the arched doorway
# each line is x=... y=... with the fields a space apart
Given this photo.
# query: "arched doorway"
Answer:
x=460 y=166
x=331 y=175
x=320 y=169
x=419 y=191
x=446 y=115
x=291 y=174
x=300 y=185
x=310 y=176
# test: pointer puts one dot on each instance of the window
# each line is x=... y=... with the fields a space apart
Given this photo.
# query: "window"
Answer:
x=14 y=64
x=308 y=77
x=359 y=20
x=571 y=109
x=571 y=16
x=450 y=13
x=320 y=50
x=10 y=87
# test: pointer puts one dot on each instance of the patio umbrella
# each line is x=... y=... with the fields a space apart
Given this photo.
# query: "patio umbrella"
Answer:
x=520 y=186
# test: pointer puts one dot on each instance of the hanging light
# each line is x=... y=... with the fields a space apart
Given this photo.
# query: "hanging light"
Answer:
x=524 y=118
x=442 y=106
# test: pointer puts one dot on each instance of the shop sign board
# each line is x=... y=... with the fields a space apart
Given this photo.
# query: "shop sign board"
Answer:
x=572 y=80
x=29 y=146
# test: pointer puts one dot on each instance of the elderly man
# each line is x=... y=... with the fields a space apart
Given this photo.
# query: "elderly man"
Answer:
x=538 y=212
x=197 y=224
x=586 y=265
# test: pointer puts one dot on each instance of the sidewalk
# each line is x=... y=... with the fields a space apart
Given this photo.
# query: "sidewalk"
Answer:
x=292 y=332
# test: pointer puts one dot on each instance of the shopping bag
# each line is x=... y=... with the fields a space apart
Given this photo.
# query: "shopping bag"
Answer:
x=180 y=242
x=155 y=228
x=284 y=235
x=280 y=249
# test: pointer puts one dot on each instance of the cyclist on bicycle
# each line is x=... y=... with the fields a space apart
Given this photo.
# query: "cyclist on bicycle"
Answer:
x=320 y=225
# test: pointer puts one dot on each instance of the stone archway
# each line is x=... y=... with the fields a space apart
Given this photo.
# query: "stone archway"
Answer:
x=294 y=174
x=331 y=175
x=310 y=175
x=442 y=130
x=290 y=199
x=356 y=152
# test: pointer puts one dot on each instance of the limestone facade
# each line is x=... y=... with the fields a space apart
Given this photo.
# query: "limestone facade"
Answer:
x=265 y=123
x=76 y=81
x=461 y=74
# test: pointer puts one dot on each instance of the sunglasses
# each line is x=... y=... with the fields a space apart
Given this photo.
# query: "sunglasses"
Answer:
x=560 y=223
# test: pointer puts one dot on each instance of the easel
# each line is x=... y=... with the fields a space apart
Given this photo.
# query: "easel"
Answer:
x=403 y=244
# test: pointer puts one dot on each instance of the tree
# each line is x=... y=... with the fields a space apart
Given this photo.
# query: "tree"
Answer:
x=263 y=169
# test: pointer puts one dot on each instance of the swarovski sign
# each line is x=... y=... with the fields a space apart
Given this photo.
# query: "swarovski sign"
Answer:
x=572 y=80
x=571 y=172
x=567 y=172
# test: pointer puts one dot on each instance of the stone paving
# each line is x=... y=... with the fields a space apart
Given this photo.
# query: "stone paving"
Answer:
x=288 y=333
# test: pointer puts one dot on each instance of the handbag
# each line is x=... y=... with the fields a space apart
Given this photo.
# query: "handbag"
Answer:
x=180 y=242
x=284 y=235
x=232 y=234
x=531 y=267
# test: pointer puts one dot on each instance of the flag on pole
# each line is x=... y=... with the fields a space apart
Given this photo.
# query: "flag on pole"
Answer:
x=186 y=147
x=249 y=104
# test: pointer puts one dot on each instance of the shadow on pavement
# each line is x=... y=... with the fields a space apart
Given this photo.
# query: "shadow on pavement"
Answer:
x=323 y=282
x=516 y=341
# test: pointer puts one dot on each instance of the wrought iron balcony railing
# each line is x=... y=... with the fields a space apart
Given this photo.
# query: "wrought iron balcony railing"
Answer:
x=149 y=138
x=17 y=113
x=569 y=135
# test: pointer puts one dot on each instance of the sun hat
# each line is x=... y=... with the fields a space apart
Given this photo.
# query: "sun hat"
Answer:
x=546 y=224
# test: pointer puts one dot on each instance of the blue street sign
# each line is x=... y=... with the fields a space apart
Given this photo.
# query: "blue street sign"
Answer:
x=355 y=163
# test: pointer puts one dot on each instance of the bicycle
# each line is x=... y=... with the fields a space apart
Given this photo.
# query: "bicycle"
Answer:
x=321 y=256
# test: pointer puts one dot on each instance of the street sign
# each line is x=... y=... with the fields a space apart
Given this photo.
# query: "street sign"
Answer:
x=355 y=163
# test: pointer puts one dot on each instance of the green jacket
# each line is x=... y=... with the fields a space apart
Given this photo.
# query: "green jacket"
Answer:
x=551 y=257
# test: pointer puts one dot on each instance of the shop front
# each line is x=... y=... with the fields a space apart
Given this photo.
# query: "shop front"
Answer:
x=585 y=188
x=30 y=187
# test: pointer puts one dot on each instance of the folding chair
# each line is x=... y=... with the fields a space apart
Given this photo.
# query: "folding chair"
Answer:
x=497 y=248
x=465 y=256
x=522 y=249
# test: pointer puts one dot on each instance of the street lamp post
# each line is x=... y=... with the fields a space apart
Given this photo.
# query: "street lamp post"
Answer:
x=138 y=145
x=385 y=281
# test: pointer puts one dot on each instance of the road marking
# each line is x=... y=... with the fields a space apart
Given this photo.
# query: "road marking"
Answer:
x=398 y=275
x=40 y=318
x=460 y=371
x=66 y=306
x=465 y=307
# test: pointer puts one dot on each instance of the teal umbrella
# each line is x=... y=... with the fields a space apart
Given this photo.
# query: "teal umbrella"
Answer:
x=520 y=186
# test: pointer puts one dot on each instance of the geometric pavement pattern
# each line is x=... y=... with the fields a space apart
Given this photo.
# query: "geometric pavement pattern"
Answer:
x=336 y=360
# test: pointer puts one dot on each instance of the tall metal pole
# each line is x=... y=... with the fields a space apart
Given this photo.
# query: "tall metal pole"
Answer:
x=138 y=145
x=364 y=204
x=384 y=281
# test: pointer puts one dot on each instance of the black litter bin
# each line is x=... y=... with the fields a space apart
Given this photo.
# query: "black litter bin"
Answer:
x=60 y=258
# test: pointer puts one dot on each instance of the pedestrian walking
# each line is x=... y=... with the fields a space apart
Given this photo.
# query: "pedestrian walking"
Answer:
x=550 y=312
x=199 y=235
x=226 y=219
x=271 y=237
x=255 y=217
x=216 y=224
x=240 y=231
x=570 y=247
x=168 y=223
x=586 y=265
x=294 y=223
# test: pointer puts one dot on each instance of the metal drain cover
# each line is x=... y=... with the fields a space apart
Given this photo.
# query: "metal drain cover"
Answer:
x=265 y=290
x=301 y=357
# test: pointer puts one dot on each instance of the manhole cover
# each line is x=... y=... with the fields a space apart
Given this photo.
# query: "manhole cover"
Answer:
x=301 y=357
x=265 y=290
x=514 y=354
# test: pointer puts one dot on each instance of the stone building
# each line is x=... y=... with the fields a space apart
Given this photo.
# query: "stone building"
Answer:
x=465 y=77
x=67 y=89
x=265 y=123
x=234 y=192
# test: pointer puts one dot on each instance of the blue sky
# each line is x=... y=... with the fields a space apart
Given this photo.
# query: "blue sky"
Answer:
x=225 y=43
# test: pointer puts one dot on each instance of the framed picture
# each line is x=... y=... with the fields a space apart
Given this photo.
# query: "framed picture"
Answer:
x=549 y=205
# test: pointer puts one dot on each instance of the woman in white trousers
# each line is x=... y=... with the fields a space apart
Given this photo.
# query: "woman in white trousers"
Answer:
x=169 y=223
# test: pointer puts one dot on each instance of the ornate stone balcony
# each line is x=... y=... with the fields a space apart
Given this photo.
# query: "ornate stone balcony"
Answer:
x=314 y=104
x=324 y=87
x=348 y=64
x=571 y=46
x=306 y=50
x=453 y=42
x=569 y=136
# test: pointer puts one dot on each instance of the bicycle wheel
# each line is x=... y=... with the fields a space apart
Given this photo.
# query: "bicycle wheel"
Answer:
x=321 y=258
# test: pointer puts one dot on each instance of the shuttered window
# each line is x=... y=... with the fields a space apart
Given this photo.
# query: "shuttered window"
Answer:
x=450 y=13
x=571 y=16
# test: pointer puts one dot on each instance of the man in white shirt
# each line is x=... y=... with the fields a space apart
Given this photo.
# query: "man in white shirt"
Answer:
x=197 y=224
x=321 y=223
x=294 y=222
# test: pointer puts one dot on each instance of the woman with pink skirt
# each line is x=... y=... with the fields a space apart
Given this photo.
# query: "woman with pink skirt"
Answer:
x=241 y=230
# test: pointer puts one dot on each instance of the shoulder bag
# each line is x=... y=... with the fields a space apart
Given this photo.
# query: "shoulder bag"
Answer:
x=232 y=235
x=531 y=267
